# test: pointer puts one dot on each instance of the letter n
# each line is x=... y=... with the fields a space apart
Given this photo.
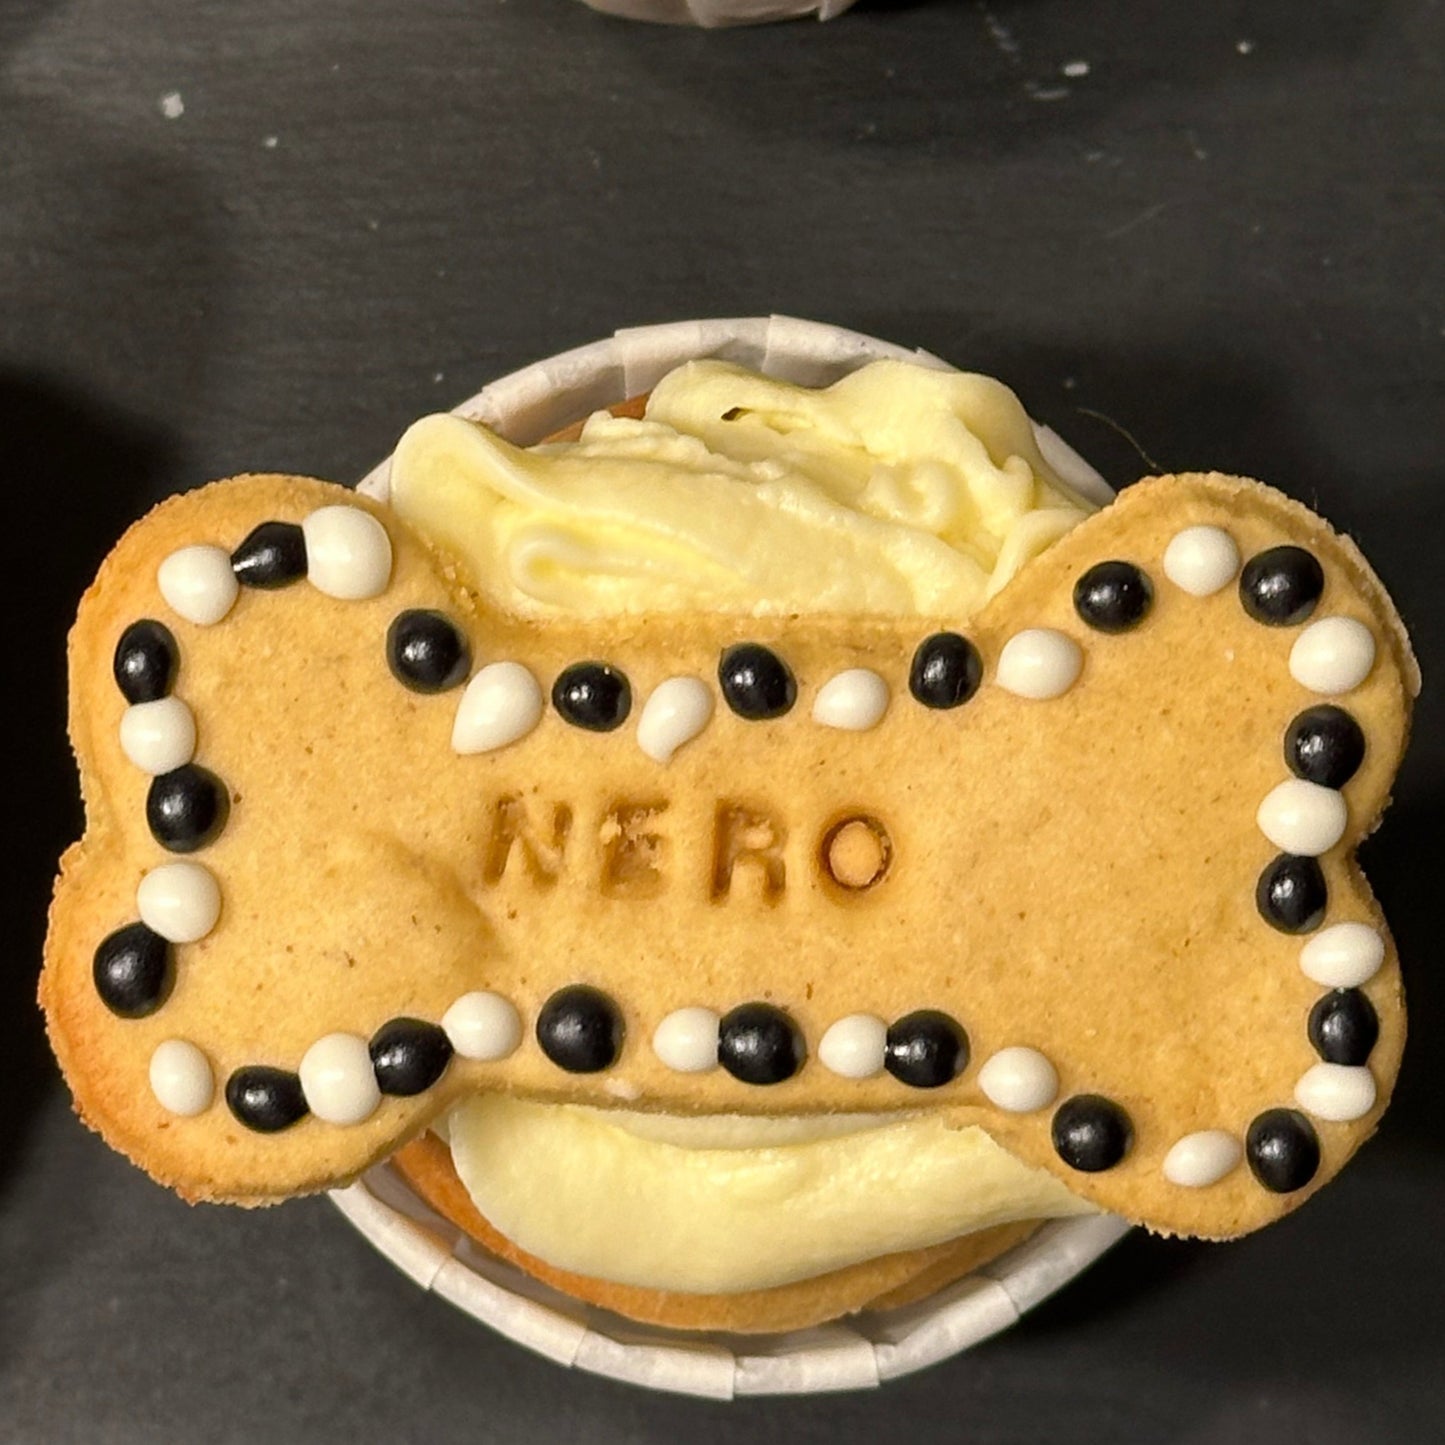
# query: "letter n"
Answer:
x=512 y=826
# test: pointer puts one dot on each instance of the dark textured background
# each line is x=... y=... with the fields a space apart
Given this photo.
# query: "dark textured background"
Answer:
x=1225 y=240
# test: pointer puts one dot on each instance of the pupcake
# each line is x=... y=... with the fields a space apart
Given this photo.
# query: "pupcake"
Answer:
x=1014 y=880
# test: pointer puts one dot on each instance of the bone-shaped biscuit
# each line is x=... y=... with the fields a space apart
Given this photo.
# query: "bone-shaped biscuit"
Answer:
x=1057 y=909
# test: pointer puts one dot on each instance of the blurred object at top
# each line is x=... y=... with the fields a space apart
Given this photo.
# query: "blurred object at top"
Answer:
x=713 y=14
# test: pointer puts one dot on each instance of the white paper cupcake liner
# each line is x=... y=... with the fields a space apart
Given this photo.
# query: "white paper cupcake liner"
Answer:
x=860 y=1353
x=868 y=1348
x=713 y=14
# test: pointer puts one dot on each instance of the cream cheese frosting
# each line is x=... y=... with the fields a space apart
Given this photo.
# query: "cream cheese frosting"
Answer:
x=899 y=490
x=722 y=1205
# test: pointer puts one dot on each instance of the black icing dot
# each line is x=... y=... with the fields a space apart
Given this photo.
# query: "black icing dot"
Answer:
x=272 y=555
x=1343 y=1027
x=426 y=651
x=592 y=695
x=1091 y=1133
x=580 y=1029
x=758 y=1044
x=926 y=1049
x=264 y=1099
x=1291 y=894
x=134 y=971
x=1113 y=596
x=1281 y=586
x=1283 y=1150
x=187 y=808
x=409 y=1056
x=1324 y=745
x=946 y=670
x=756 y=682
x=146 y=661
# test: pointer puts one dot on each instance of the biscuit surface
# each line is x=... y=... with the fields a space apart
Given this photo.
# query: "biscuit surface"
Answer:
x=1073 y=875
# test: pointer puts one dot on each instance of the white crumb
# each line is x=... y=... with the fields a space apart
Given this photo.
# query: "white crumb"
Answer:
x=1076 y=69
x=1245 y=47
x=172 y=106
x=999 y=33
x=270 y=142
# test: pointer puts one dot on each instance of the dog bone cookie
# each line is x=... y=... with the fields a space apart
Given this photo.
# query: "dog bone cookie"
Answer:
x=1082 y=872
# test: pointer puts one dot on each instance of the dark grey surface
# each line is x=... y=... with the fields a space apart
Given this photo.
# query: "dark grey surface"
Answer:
x=1224 y=240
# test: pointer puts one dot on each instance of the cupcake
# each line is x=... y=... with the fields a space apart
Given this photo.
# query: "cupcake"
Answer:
x=821 y=905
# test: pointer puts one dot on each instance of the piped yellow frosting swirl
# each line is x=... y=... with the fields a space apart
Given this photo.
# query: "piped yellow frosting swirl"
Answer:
x=898 y=490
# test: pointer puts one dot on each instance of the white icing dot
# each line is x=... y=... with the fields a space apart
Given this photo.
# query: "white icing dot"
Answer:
x=1039 y=663
x=338 y=1079
x=854 y=1047
x=180 y=901
x=1019 y=1079
x=1198 y=1160
x=181 y=1078
x=1201 y=560
x=1336 y=1092
x=502 y=703
x=1302 y=818
x=483 y=1026
x=686 y=1040
x=348 y=554
x=158 y=736
x=198 y=584
x=677 y=711
x=1332 y=656
x=854 y=700
x=1344 y=955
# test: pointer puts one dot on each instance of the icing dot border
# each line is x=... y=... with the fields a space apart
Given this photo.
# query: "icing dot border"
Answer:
x=1303 y=818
